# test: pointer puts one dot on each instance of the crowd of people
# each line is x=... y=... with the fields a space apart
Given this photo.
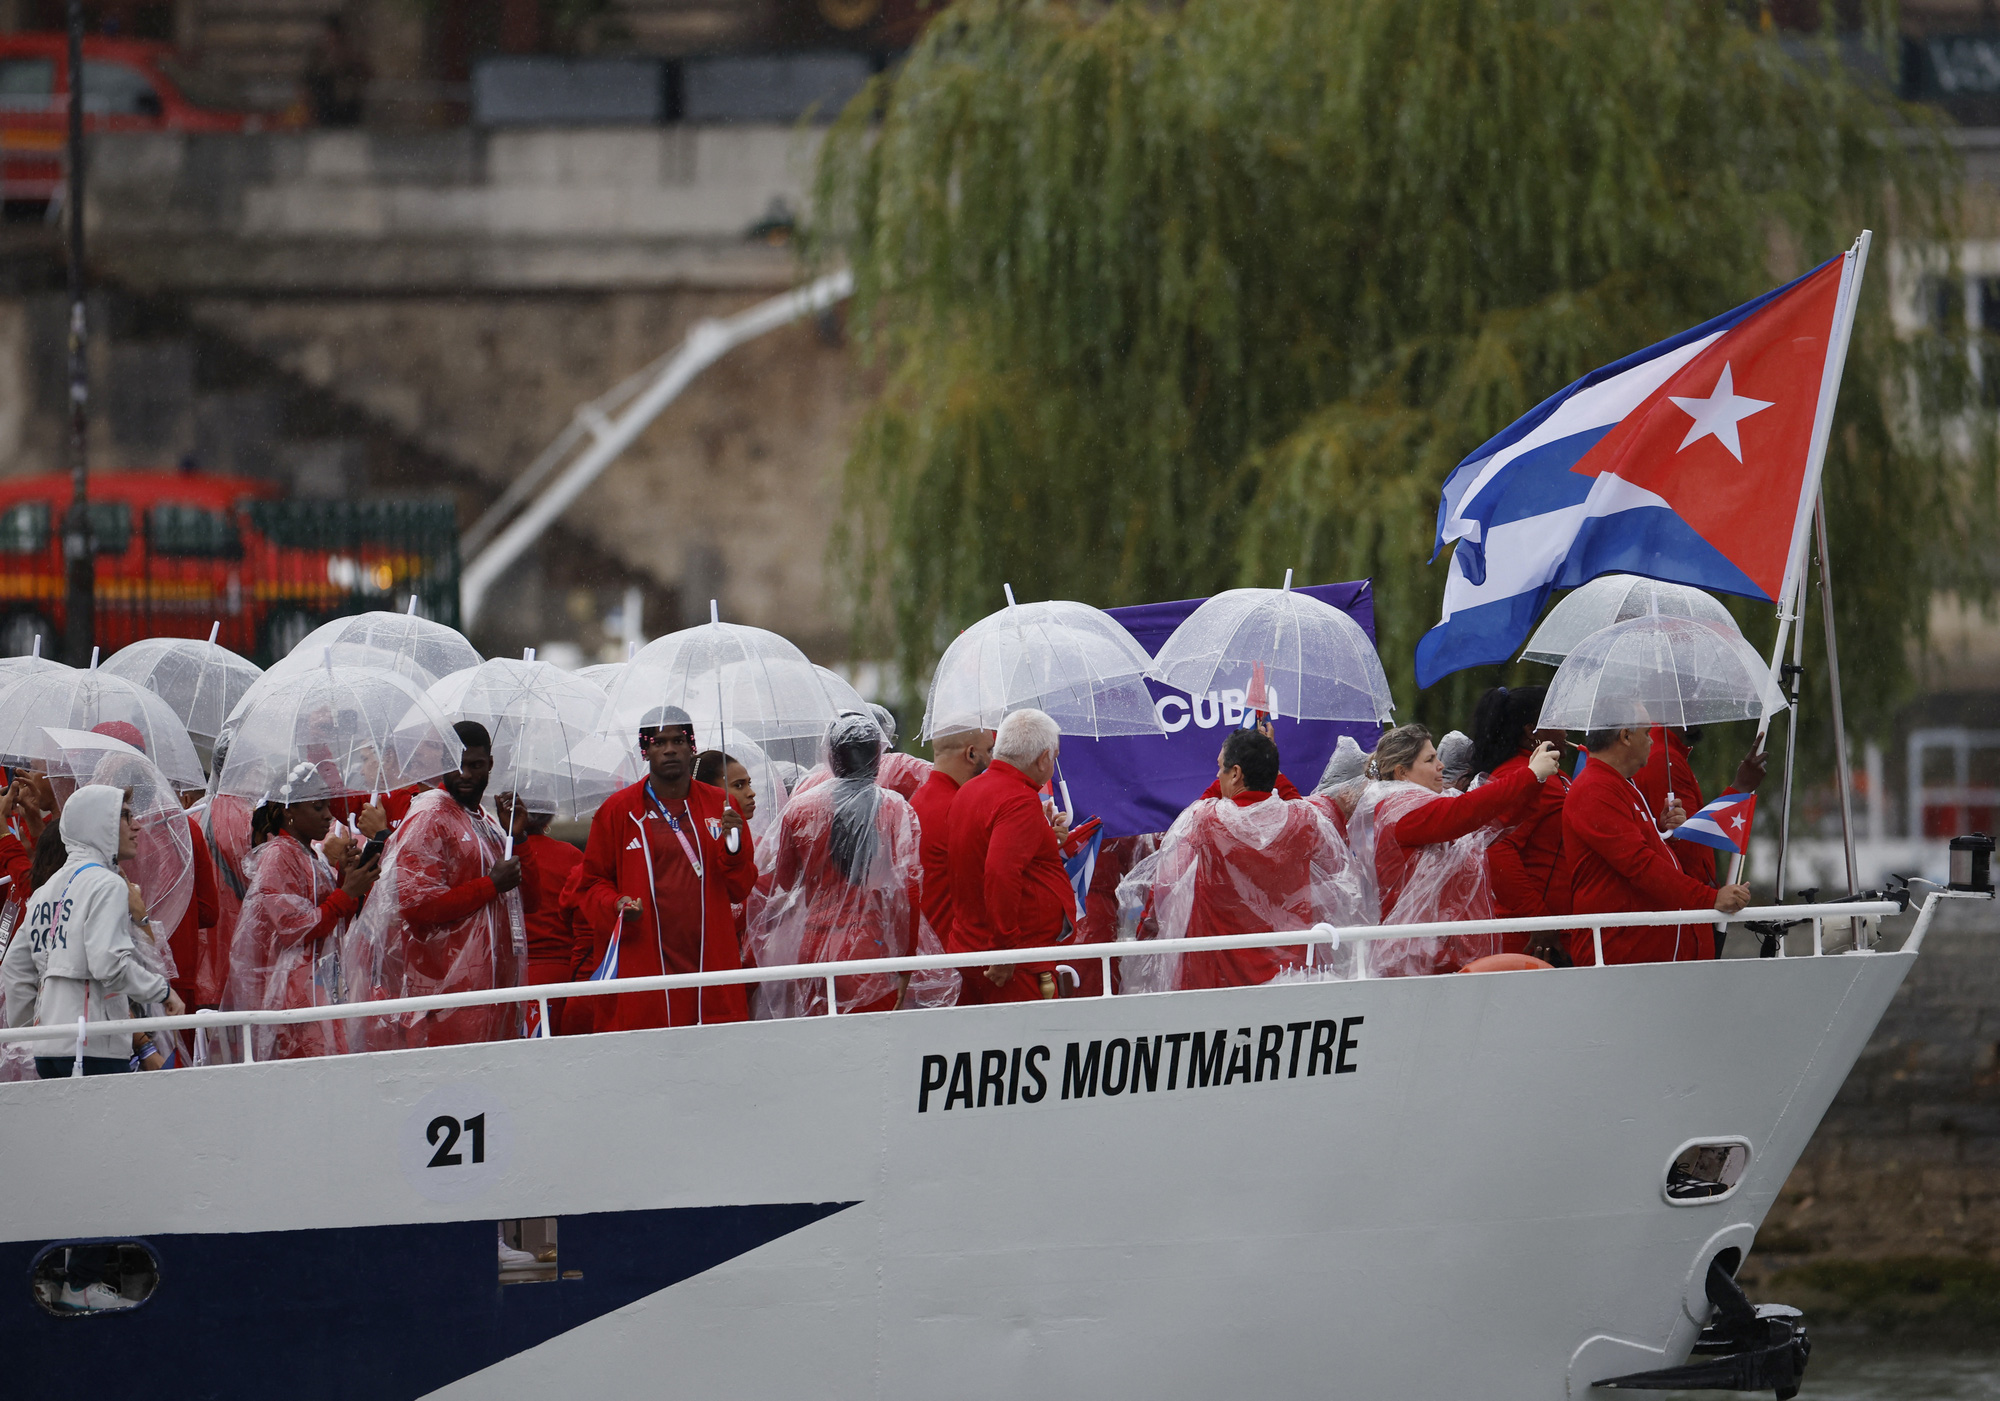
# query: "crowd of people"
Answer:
x=874 y=854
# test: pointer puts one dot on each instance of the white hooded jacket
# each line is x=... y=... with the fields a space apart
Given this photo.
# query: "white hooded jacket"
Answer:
x=73 y=955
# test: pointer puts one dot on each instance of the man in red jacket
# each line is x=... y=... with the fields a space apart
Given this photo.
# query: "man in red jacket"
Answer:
x=961 y=758
x=657 y=871
x=1008 y=886
x=1620 y=864
x=546 y=865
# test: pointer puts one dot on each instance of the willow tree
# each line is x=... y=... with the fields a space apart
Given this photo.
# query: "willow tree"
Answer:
x=1169 y=298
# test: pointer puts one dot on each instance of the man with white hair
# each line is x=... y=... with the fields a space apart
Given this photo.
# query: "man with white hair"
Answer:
x=1008 y=886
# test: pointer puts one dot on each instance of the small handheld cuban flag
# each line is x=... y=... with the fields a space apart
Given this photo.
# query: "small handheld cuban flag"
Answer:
x=1080 y=859
x=1724 y=824
x=607 y=970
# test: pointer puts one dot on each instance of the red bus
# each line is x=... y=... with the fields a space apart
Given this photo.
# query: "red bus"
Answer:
x=178 y=552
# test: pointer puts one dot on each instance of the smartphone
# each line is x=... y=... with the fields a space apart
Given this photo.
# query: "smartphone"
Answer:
x=374 y=847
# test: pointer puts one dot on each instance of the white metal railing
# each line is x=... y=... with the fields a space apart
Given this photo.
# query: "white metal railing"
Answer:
x=1317 y=936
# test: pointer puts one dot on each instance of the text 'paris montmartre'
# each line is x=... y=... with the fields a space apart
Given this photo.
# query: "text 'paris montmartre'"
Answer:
x=1191 y=1060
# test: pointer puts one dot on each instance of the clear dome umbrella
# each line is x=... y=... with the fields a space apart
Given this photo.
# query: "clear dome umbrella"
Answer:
x=417 y=647
x=603 y=675
x=1655 y=670
x=334 y=731
x=747 y=679
x=1075 y=662
x=1304 y=658
x=82 y=700
x=199 y=681
x=765 y=778
x=164 y=864
x=1612 y=598
x=546 y=750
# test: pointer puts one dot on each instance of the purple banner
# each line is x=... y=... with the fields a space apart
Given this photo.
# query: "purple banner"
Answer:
x=1140 y=783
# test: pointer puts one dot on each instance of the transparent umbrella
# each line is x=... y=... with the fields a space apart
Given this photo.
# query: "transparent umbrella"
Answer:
x=1301 y=657
x=546 y=750
x=1612 y=598
x=334 y=731
x=1655 y=670
x=1075 y=662
x=417 y=647
x=83 y=700
x=199 y=681
x=747 y=679
x=604 y=675
x=164 y=864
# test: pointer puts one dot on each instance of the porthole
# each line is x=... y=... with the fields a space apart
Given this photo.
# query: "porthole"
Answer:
x=93 y=1278
x=1705 y=1170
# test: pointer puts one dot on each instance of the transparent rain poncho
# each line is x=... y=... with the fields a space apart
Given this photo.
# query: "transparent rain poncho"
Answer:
x=1656 y=670
x=286 y=950
x=391 y=951
x=1314 y=662
x=200 y=682
x=164 y=863
x=899 y=772
x=1612 y=598
x=362 y=731
x=1425 y=884
x=1225 y=868
x=1455 y=758
x=83 y=700
x=1074 y=662
x=844 y=881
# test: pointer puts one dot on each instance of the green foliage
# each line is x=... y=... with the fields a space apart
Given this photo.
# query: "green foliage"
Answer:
x=1917 y=1294
x=1169 y=298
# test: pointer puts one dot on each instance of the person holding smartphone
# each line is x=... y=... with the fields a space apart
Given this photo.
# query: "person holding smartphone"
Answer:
x=286 y=947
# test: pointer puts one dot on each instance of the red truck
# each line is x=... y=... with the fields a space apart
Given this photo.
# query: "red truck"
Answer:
x=178 y=552
x=128 y=85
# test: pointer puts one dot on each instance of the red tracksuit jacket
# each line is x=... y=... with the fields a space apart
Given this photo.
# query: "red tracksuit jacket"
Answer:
x=685 y=924
x=932 y=805
x=1527 y=867
x=1008 y=886
x=1619 y=864
x=1668 y=749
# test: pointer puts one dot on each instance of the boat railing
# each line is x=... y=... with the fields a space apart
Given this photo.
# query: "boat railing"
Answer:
x=1322 y=936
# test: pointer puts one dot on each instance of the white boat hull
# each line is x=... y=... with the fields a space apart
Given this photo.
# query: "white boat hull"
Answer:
x=1461 y=1196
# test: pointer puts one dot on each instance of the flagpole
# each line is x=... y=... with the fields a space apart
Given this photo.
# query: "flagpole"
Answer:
x=1795 y=674
x=1843 y=773
x=1790 y=591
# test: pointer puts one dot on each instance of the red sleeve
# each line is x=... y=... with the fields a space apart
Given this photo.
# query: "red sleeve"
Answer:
x=336 y=907
x=15 y=862
x=1286 y=789
x=739 y=870
x=1447 y=819
x=454 y=905
x=1014 y=900
x=207 y=908
x=1599 y=824
x=597 y=885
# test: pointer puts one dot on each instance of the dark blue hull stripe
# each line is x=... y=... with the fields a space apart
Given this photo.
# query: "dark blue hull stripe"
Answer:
x=371 y=1313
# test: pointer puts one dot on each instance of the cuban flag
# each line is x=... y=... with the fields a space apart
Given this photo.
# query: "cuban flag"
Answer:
x=607 y=971
x=1724 y=824
x=1080 y=860
x=1694 y=461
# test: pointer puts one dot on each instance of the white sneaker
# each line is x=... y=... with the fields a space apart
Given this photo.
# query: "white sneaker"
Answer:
x=512 y=1259
x=93 y=1298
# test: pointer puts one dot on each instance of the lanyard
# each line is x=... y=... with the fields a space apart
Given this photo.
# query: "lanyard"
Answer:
x=674 y=826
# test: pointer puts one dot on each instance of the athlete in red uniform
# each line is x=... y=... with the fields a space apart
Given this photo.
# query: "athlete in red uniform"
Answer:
x=1620 y=864
x=1667 y=767
x=961 y=758
x=1426 y=850
x=1246 y=862
x=1525 y=863
x=658 y=874
x=1008 y=886
x=445 y=918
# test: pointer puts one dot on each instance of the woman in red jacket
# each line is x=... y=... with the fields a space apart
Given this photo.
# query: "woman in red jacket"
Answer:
x=1426 y=852
x=1525 y=863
